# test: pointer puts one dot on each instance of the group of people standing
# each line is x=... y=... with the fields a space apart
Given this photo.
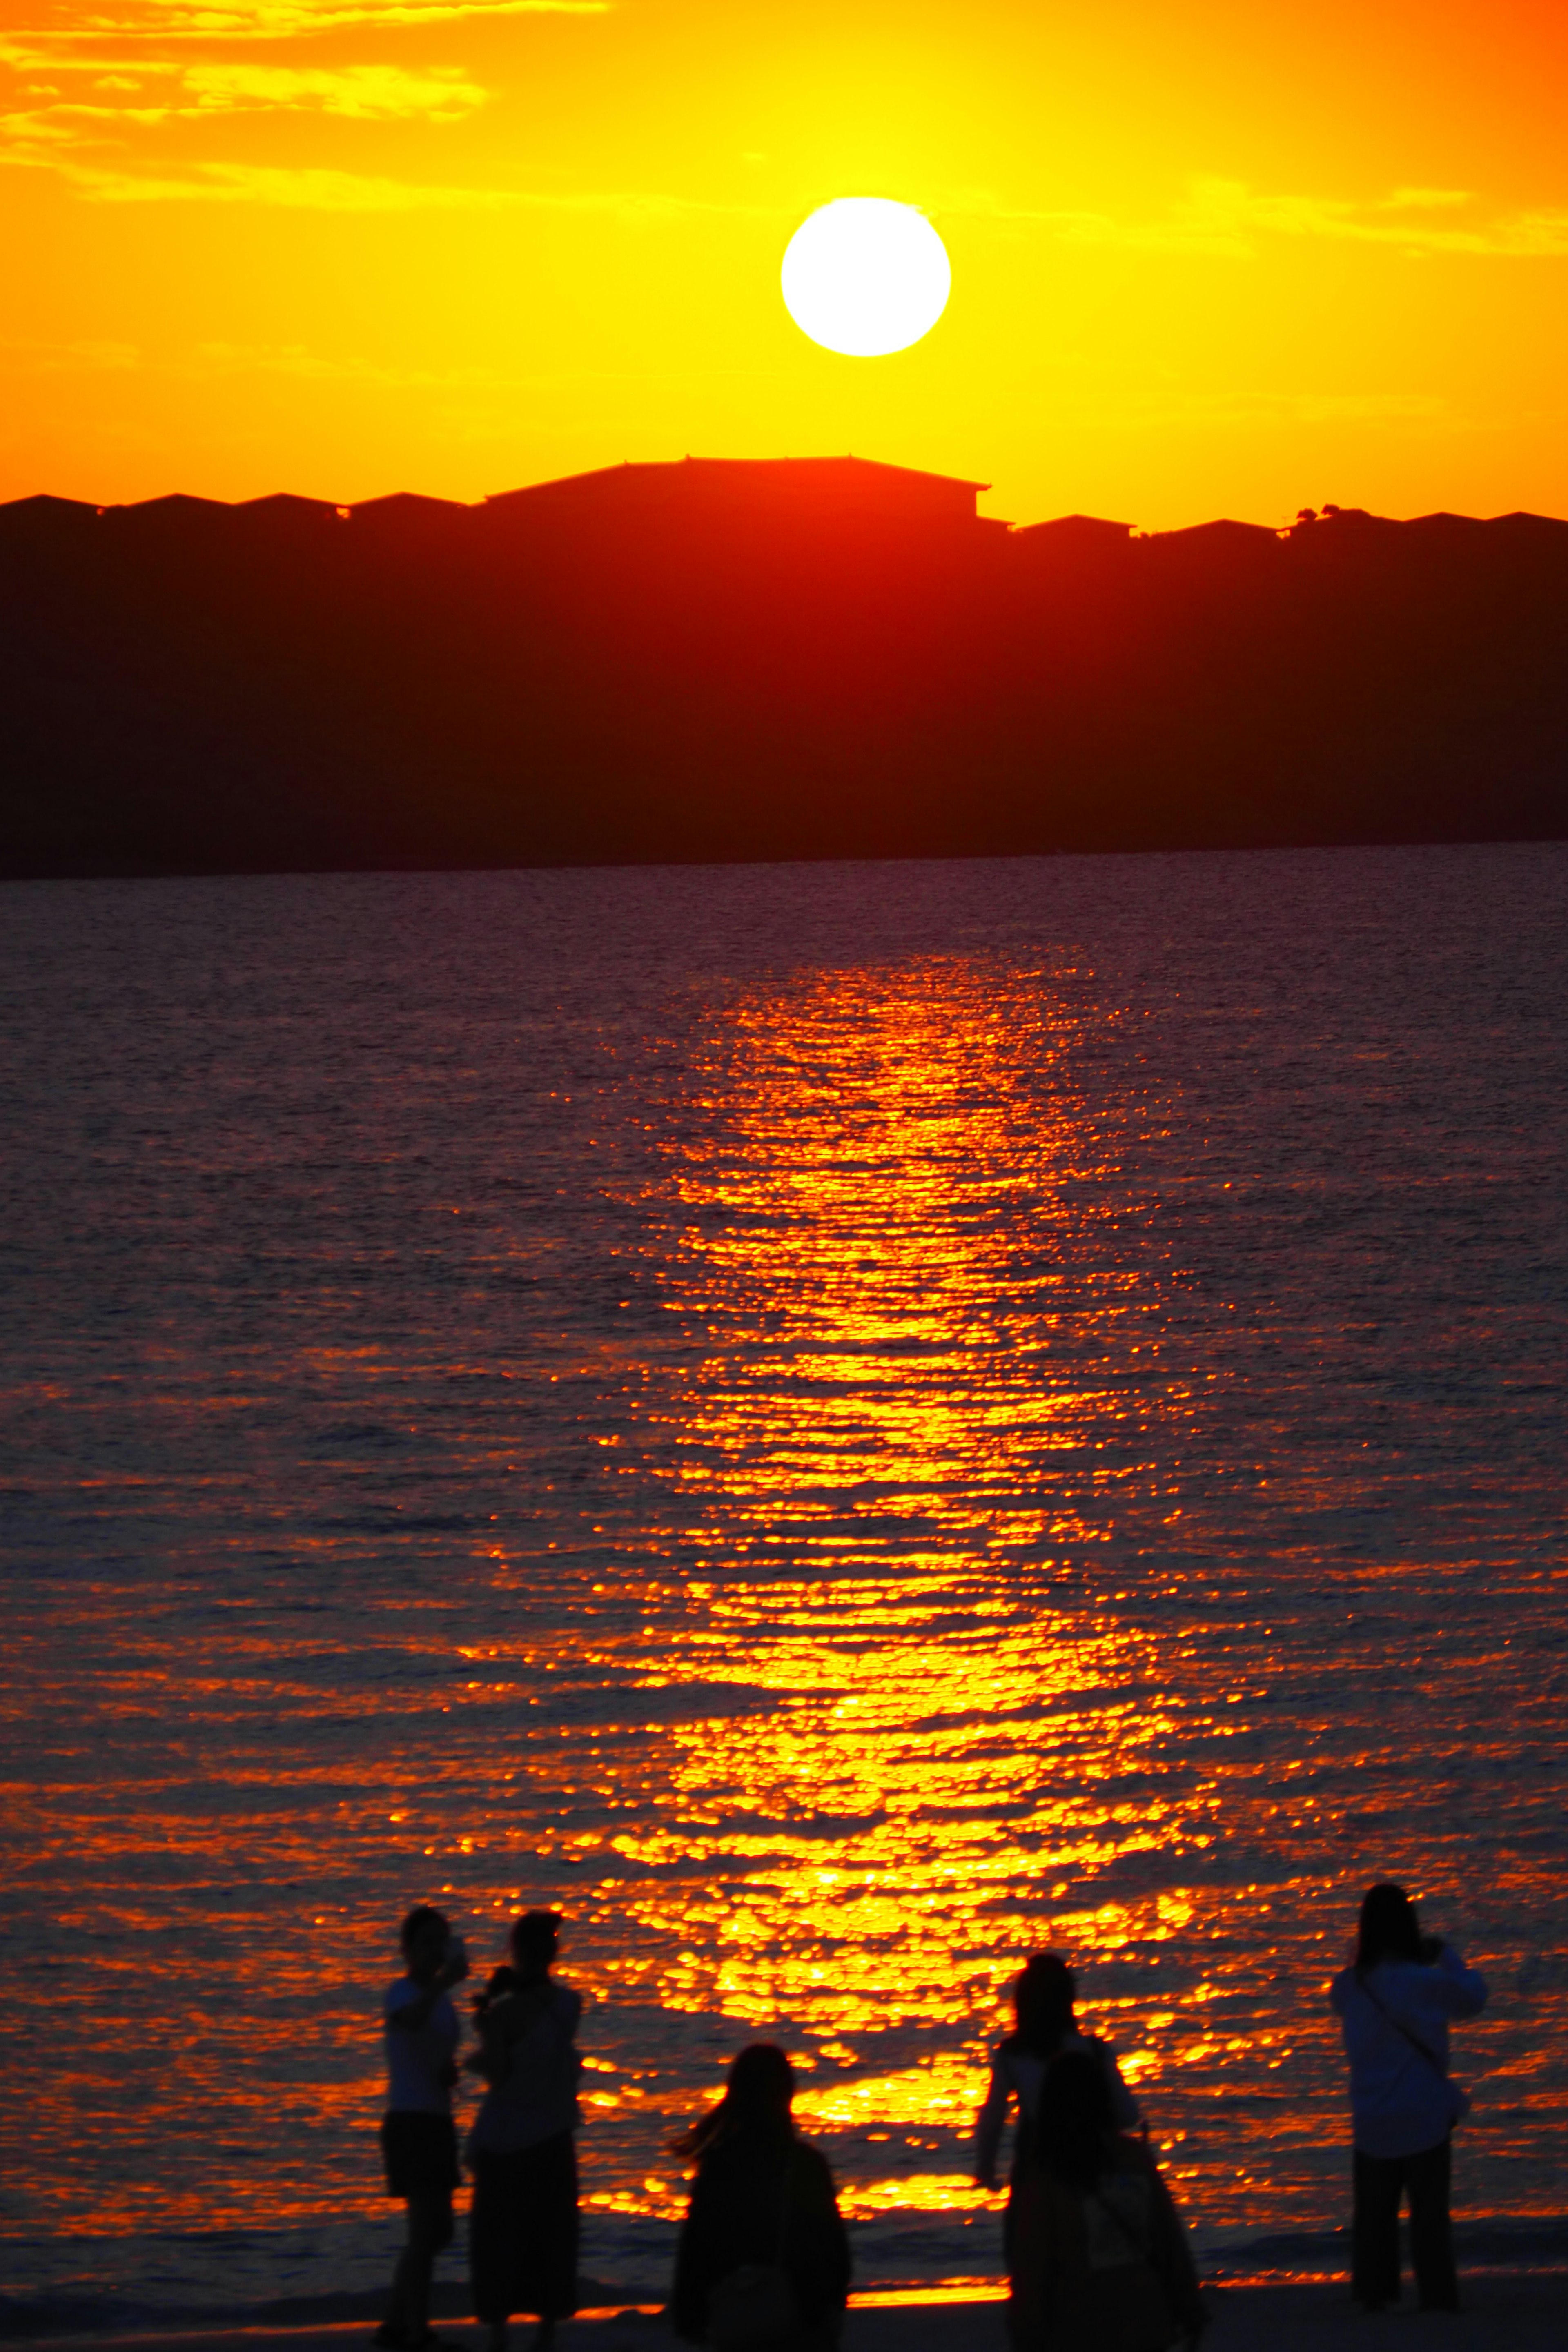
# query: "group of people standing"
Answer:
x=1098 y=2257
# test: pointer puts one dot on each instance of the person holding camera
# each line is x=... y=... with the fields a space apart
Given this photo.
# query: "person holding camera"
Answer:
x=523 y=2223
x=1394 y=2003
x=418 y=2138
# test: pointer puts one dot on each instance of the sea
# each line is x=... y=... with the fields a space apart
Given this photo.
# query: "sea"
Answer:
x=841 y=1425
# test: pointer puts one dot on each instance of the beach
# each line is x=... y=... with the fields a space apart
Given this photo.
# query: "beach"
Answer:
x=1505 y=2312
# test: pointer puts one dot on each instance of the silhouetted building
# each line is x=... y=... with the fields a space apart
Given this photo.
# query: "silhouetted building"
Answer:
x=733 y=658
x=752 y=490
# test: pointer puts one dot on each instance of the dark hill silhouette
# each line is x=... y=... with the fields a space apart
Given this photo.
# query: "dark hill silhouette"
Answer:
x=720 y=659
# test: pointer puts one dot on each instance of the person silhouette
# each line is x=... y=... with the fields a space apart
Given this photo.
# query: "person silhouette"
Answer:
x=1098 y=2258
x=523 y=2225
x=418 y=2138
x=1395 y=2002
x=763 y=2258
x=1045 y=2027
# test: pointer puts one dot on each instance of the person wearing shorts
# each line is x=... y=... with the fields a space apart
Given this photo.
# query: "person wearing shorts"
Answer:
x=418 y=2138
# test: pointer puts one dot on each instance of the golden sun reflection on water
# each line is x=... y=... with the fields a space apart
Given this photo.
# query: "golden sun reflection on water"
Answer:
x=854 y=1497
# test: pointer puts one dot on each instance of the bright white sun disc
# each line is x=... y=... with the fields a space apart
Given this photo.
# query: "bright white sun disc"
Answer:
x=866 y=276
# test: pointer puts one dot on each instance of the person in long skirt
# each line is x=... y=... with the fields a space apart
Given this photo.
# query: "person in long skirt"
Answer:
x=1098 y=2259
x=1045 y=2029
x=523 y=2226
x=1394 y=2004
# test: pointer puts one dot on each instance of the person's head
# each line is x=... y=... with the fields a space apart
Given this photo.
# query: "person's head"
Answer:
x=1076 y=2124
x=1388 y=1929
x=535 y=1939
x=755 y=2104
x=424 y=1937
x=1042 y=2003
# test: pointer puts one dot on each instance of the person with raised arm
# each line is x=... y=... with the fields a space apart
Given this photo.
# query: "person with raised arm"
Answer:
x=1394 y=2003
x=418 y=2138
x=523 y=2225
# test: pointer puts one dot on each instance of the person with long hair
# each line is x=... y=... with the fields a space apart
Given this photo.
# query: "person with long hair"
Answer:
x=762 y=2265
x=1394 y=2003
x=418 y=2138
x=523 y=2226
x=1045 y=2026
x=1098 y=2257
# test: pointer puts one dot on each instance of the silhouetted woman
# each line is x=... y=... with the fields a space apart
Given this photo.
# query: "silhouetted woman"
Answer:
x=1098 y=2258
x=418 y=2139
x=522 y=2228
x=1046 y=2026
x=1394 y=2004
x=763 y=2260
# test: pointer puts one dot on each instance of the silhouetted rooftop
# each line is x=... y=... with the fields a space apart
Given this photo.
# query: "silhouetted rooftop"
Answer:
x=837 y=484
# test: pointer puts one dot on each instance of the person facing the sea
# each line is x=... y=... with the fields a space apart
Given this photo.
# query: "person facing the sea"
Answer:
x=1394 y=2003
x=762 y=2265
x=1098 y=2259
x=418 y=2139
x=522 y=2241
x=1043 y=2001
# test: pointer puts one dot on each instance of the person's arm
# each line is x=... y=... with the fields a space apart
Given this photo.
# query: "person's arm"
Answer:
x=415 y=2014
x=1456 y=1990
x=989 y=2124
x=829 y=2237
x=694 y=2267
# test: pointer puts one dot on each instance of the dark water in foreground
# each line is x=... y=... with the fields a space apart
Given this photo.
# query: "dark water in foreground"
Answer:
x=839 y=1424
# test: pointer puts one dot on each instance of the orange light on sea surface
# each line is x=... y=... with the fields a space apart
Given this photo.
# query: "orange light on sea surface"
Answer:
x=875 y=1608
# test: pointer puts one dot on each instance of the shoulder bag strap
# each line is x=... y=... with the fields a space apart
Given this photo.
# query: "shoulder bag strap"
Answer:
x=1119 y=2226
x=1413 y=2039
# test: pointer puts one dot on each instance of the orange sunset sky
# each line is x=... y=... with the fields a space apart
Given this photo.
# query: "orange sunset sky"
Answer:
x=1220 y=258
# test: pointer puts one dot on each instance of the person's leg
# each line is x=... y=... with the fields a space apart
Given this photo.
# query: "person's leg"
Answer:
x=429 y=2229
x=1431 y=2232
x=546 y=2222
x=1376 y=2181
x=488 y=2262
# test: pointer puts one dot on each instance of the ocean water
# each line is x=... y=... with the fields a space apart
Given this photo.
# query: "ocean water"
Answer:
x=840 y=1424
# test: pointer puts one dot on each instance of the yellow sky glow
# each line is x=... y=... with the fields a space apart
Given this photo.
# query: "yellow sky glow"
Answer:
x=1201 y=264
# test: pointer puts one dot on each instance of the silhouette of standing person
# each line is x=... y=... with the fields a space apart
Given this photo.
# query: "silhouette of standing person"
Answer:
x=418 y=2139
x=1045 y=2027
x=523 y=2241
x=763 y=2259
x=1098 y=2260
x=1394 y=2003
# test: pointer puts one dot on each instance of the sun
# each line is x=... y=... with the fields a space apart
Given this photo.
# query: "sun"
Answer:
x=866 y=276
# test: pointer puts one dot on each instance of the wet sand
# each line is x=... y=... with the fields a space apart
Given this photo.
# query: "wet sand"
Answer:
x=1506 y=2311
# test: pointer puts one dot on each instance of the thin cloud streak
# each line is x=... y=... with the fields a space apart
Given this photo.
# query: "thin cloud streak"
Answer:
x=320 y=189
x=1225 y=219
x=144 y=93
x=289 y=20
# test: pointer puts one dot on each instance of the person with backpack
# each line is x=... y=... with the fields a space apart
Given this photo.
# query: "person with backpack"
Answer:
x=523 y=2226
x=1045 y=2026
x=1098 y=2258
x=763 y=2263
x=1394 y=2003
